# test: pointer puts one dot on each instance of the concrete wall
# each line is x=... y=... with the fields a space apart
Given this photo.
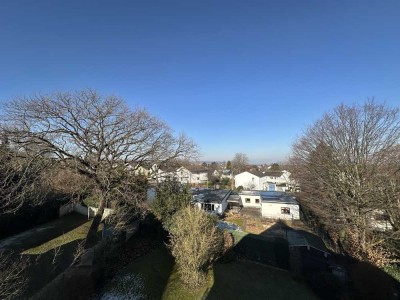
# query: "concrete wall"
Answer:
x=91 y=211
x=274 y=211
x=66 y=209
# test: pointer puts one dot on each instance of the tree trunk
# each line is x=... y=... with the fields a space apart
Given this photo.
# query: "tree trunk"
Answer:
x=92 y=238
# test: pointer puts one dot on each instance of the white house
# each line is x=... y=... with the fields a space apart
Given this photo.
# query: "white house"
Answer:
x=250 y=198
x=267 y=181
x=212 y=201
x=227 y=174
x=250 y=180
x=192 y=176
x=279 y=205
x=161 y=175
x=274 y=205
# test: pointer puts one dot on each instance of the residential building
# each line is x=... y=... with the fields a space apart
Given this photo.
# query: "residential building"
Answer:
x=267 y=181
x=273 y=205
x=192 y=176
x=212 y=201
x=279 y=205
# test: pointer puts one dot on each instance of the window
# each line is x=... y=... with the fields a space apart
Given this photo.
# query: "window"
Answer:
x=285 y=210
x=257 y=201
x=247 y=200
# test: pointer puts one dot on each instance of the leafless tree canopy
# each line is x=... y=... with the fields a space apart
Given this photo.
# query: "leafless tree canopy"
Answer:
x=346 y=164
x=239 y=162
x=19 y=180
x=98 y=136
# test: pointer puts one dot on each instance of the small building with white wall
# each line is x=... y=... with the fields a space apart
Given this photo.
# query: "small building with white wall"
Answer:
x=212 y=201
x=279 y=205
x=250 y=198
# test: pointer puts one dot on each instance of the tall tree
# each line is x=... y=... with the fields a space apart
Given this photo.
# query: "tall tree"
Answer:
x=346 y=164
x=239 y=162
x=98 y=136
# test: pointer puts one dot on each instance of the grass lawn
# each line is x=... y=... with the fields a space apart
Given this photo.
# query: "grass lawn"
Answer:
x=42 y=234
x=50 y=248
x=76 y=234
x=268 y=250
x=233 y=280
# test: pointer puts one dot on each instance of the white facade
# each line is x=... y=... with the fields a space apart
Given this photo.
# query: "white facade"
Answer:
x=248 y=181
x=186 y=176
x=277 y=210
x=270 y=181
x=250 y=199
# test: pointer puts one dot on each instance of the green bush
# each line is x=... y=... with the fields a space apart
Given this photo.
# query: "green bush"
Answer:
x=170 y=197
x=196 y=243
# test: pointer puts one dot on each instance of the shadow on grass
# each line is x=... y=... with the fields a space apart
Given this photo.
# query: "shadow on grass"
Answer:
x=43 y=233
x=258 y=269
x=43 y=268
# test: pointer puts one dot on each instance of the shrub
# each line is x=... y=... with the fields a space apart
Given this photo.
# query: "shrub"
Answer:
x=170 y=197
x=196 y=243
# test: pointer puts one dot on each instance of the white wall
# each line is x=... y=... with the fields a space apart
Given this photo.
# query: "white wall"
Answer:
x=248 y=181
x=274 y=211
x=252 y=202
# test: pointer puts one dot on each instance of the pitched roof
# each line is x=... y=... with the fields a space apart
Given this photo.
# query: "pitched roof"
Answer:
x=209 y=196
x=273 y=173
x=256 y=173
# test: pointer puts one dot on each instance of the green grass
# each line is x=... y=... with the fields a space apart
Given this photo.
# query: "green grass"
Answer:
x=237 y=221
x=233 y=280
x=78 y=233
x=268 y=250
x=393 y=270
x=50 y=249
x=42 y=234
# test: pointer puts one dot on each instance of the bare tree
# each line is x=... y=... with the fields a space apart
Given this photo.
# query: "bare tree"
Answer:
x=239 y=162
x=346 y=166
x=97 y=136
x=20 y=179
x=12 y=277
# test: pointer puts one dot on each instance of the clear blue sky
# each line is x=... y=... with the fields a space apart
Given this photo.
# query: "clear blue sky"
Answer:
x=236 y=76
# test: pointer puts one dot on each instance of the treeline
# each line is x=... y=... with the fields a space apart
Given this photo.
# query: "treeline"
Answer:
x=348 y=166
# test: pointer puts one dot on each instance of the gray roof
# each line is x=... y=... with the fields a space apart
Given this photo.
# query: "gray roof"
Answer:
x=273 y=173
x=210 y=196
x=277 y=197
x=234 y=197
x=250 y=193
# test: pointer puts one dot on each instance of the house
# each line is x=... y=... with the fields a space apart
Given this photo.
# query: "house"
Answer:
x=273 y=205
x=250 y=198
x=212 y=201
x=250 y=180
x=279 y=205
x=192 y=176
x=227 y=174
x=140 y=170
x=276 y=181
x=161 y=174
x=267 y=181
